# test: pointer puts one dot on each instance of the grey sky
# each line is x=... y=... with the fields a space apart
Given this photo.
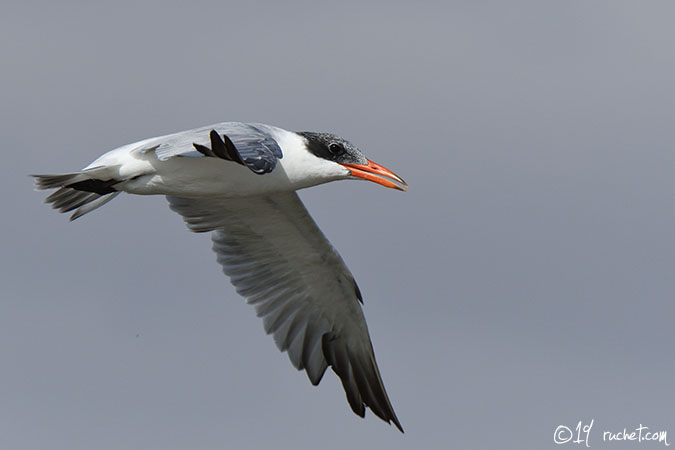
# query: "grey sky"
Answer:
x=525 y=281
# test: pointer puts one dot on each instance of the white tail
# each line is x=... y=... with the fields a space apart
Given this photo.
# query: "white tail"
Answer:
x=76 y=191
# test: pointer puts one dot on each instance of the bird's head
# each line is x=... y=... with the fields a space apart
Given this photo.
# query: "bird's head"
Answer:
x=352 y=163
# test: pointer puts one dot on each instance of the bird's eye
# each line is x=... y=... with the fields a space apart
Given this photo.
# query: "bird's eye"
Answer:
x=335 y=148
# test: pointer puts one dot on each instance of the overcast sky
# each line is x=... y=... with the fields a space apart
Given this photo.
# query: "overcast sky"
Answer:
x=524 y=282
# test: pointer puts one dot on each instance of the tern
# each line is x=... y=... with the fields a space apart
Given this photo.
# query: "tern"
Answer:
x=239 y=181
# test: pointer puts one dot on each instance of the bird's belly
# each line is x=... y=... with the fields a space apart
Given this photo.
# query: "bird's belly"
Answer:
x=204 y=177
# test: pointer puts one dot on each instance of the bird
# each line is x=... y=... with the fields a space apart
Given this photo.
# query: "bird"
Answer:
x=238 y=181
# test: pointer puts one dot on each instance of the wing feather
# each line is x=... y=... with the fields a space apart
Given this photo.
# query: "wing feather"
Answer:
x=278 y=259
x=252 y=145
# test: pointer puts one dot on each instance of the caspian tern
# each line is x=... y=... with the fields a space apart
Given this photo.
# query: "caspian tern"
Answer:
x=238 y=181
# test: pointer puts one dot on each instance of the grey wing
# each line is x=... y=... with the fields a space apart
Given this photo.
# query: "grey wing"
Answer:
x=279 y=260
x=252 y=145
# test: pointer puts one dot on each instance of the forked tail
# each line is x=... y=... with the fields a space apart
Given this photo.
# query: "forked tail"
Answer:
x=76 y=191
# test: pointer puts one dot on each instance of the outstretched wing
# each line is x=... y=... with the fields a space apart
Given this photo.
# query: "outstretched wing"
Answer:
x=252 y=145
x=279 y=260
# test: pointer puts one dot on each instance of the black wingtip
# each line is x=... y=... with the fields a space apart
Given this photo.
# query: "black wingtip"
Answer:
x=357 y=291
x=398 y=424
x=232 y=150
x=221 y=147
x=203 y=150
x=100 y=187
x=218 y=146
x=361 y=380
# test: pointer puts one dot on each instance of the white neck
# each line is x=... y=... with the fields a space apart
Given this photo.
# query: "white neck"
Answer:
x=302 y=167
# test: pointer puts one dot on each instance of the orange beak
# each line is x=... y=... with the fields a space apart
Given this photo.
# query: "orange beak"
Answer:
x=376 y=173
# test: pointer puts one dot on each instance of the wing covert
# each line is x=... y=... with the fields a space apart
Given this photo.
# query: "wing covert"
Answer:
x=252 y=145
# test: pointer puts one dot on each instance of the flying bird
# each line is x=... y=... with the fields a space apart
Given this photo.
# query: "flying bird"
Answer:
x=238 y=181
